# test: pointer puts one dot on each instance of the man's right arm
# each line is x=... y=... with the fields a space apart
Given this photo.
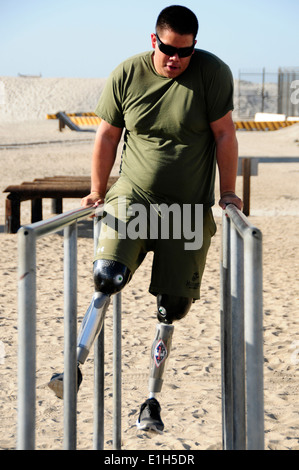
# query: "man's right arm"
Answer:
x=103 y=158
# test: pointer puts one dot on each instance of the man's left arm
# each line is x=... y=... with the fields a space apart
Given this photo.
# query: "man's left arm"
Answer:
x=227 y=159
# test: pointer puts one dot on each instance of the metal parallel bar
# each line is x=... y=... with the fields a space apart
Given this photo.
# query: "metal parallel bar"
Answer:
x=99 y=371
x=27 y=237
x=239 y=219
x=242 y=293
x=70 y=335
x=98 y=426
x=26 y=339
x=254 y=340
x=277 y=159
x=117 y=372
x=226 y=335
x=238 y=355
x=54 y=224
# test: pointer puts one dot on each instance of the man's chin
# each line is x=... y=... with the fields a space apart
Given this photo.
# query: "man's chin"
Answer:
x=172 y=72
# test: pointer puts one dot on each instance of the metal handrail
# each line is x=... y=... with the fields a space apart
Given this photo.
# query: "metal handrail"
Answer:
x=27 y=237
x=242 y=332
x=59 y=222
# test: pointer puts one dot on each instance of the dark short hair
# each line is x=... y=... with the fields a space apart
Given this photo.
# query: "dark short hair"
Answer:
x=179 y=19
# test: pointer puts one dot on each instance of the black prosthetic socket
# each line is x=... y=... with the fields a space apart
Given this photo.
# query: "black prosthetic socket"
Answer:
x=110 y=276
x=171 y=307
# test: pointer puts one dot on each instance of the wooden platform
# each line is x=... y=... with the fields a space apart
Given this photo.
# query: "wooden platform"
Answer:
x=56 y=188
x=60 y=187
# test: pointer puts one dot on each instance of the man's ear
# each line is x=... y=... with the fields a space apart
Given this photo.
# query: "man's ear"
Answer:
x=194 y=46
x=154 y=40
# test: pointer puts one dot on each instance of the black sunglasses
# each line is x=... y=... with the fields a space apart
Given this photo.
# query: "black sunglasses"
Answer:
x=171 y=51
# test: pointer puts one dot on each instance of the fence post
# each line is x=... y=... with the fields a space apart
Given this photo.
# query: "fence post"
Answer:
x=26 y=339
x=241 y=333
x=99 y=371
x=226 y=338
x=98 y=430
x=238 y=357
x=117 y=371
x=27 y=237
x=99 y=375
x=70 y=335
x=254 y=340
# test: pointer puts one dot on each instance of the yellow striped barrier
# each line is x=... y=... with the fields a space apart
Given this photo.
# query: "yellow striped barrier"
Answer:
x=263 y=126
x=75 y=120
x=54 y=116
x=91 y=119
x=85 y=120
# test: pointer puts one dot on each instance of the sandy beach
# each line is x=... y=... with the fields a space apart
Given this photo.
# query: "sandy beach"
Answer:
x=32 y=147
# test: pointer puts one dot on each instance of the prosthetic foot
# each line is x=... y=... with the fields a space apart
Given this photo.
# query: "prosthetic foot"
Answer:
x=56 y=383
x=149 y=417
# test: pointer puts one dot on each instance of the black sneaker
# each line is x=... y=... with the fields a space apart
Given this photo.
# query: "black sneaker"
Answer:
x=56 y=383
x=149 y=417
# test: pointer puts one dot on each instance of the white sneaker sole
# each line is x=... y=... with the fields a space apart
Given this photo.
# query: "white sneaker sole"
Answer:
x=148 y=427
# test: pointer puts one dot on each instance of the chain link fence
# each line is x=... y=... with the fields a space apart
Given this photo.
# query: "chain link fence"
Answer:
x=288 y=91
x=267 y=92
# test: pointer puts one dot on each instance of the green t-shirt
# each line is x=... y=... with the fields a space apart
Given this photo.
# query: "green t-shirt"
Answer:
x=169 y=148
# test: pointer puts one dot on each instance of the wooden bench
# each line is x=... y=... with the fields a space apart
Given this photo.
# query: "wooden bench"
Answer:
x=59 y=187
x=56 y=188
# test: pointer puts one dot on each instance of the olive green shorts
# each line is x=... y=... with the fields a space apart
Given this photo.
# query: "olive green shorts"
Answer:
x=131 y=227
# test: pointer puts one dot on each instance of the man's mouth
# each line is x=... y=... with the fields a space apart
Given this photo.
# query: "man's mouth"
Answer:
x=172 y=67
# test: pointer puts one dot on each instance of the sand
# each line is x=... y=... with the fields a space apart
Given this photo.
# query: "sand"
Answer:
x=191 y=395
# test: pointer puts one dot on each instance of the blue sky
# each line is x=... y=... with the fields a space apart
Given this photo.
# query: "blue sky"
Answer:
x=88 y=38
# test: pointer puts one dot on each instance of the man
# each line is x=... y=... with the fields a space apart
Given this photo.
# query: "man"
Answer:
x=175 y=105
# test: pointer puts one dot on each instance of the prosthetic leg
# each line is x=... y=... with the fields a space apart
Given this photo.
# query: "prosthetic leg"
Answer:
x=91 y=325
x=109 y=278
x=159 y=356
x=170 y=308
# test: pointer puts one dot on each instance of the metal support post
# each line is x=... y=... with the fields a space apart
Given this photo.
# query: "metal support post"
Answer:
x=70 y=335
x=226 y=339
x=26 y=339
x=254 y=341
x=99 y=371
x=117 y=372
x=238 y=354
x=241 y=333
